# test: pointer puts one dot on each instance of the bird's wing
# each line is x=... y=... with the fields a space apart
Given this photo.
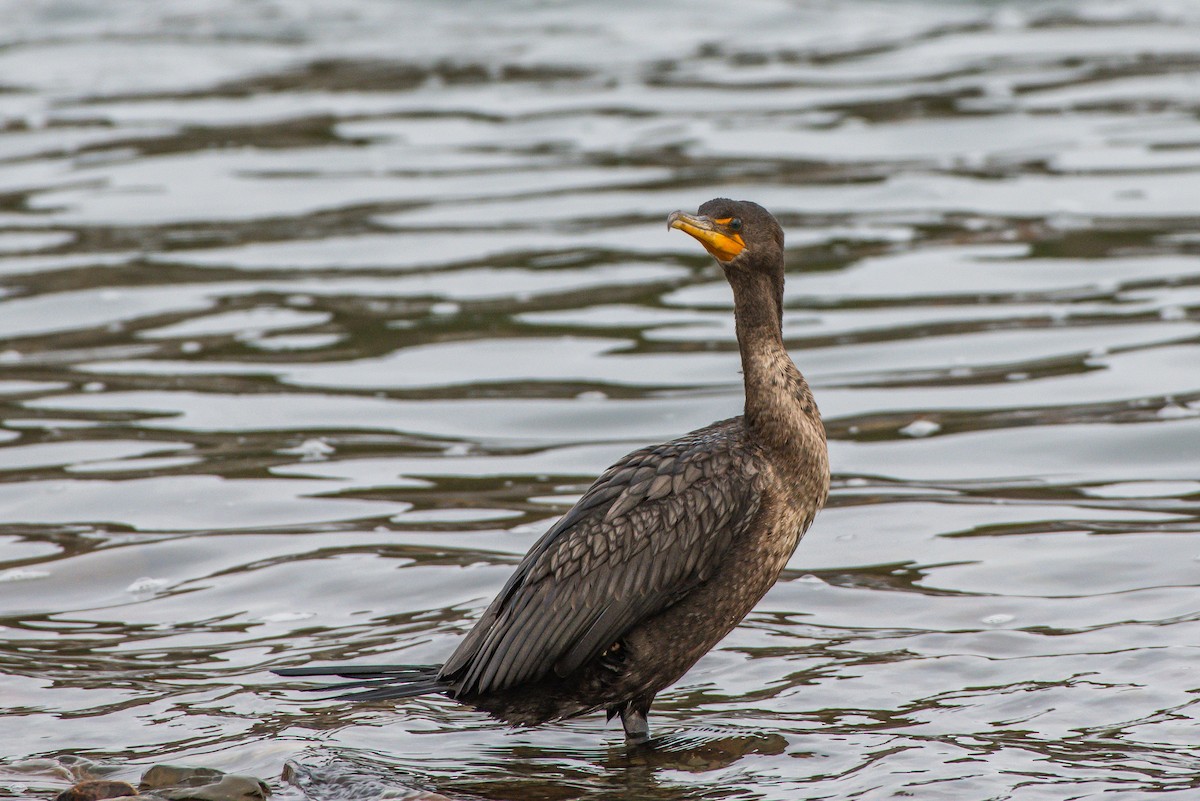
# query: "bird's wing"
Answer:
x=650 y=529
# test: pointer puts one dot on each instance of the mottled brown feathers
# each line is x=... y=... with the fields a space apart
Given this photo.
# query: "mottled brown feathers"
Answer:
x=647 y=531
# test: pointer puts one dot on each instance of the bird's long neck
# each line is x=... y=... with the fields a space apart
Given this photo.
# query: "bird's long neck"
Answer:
x=780 y=409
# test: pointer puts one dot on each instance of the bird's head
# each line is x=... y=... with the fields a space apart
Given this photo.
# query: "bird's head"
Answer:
x=736 y=232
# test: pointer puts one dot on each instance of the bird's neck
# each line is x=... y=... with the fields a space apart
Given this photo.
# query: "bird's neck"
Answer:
x=780 y=409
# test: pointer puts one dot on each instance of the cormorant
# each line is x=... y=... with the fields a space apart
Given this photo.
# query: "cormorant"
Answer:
x=667 y=551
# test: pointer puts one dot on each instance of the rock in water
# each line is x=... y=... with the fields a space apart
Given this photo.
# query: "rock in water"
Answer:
x=161 y=776
x=182 y=783
x=96 y=789
x=230 y=787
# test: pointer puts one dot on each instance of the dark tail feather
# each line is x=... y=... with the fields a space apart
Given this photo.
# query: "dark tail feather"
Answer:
x=386 y=681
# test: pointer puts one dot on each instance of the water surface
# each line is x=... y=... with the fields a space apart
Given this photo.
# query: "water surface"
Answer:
x=314 y=316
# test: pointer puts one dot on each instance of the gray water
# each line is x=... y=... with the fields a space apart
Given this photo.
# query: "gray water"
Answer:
x=315 y=315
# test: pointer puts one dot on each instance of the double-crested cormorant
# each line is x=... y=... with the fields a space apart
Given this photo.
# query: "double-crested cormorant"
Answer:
x=667 y=551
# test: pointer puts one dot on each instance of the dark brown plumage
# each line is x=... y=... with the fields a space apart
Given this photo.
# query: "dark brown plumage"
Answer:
x=667 y=551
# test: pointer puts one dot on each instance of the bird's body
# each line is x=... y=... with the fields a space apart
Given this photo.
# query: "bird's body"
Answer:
x=667 y=551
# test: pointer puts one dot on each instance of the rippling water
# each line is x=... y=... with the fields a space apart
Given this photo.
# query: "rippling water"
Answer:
x=314 y=315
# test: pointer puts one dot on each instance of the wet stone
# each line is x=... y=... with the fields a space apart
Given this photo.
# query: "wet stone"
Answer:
x=161 y=776
x=95 y=789
x=229 y=788
x=186 y=783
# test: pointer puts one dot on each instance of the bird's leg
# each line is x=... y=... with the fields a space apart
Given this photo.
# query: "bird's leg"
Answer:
x=637 y=729
x=633 y=719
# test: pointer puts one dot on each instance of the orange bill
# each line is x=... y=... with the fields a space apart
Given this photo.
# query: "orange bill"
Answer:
x=723 y=245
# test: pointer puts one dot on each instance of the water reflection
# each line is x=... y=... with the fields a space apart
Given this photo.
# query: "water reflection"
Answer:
x=313 y=319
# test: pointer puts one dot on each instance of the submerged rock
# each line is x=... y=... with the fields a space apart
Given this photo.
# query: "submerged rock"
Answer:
x=187 y=783
x=161 y=776
x=96 y=789
x=355 y=780
x=159 y=783
x=43 y=767
x=183 y=783
x=230 y=787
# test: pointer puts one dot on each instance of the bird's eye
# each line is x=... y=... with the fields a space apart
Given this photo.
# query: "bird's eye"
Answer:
x=735 y=224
